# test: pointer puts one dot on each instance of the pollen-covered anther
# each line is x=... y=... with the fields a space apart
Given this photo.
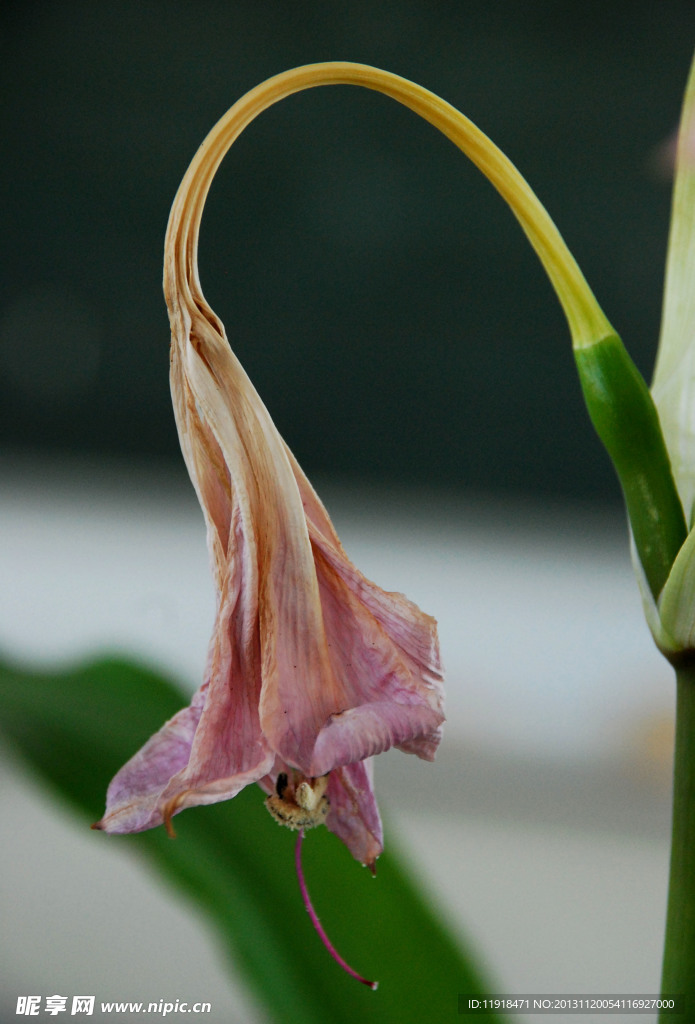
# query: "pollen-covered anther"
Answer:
x=299 y=803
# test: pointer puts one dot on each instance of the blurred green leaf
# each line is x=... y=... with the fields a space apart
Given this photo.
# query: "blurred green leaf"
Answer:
x=76 y=728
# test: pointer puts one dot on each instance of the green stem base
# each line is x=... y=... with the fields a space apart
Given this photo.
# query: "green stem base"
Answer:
x=678 y=976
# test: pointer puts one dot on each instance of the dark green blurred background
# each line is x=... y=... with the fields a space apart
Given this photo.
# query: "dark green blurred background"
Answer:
x=382 y=298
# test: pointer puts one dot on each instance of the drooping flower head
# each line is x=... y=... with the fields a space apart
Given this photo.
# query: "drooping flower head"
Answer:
x=312 y=669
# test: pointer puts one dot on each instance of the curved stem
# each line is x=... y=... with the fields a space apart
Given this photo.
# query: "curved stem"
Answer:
x=317 y=924
x=587 y=321
x=678 y=976
x=619 y=403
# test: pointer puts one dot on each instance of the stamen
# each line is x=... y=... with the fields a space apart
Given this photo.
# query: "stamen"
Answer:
x=317 y=924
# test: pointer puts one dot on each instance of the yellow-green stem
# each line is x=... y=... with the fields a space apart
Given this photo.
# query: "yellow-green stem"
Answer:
x=619 y=403
x=586 y=320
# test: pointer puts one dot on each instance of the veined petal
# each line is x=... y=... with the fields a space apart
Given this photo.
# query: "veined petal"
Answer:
x=134 y=797
x=384 y=650
x=372 y=728
x=369 y=680
x=382 y=660
x=384 y=621
x=210 y=750
x=354 y=815
x=674 y=378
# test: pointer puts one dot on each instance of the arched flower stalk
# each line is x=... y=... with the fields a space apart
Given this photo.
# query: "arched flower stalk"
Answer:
x=312 y=669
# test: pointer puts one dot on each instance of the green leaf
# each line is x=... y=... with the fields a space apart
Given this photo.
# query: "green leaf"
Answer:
x=76 y=728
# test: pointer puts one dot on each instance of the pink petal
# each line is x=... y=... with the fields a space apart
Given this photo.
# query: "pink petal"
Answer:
x=207 y=752
x=380 y=683
x=134 y=797
x=354 y=815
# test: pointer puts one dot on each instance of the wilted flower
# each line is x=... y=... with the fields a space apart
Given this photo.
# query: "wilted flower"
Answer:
x=312 y=669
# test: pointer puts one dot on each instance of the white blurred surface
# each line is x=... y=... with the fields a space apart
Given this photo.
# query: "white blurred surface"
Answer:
x=542 y=829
